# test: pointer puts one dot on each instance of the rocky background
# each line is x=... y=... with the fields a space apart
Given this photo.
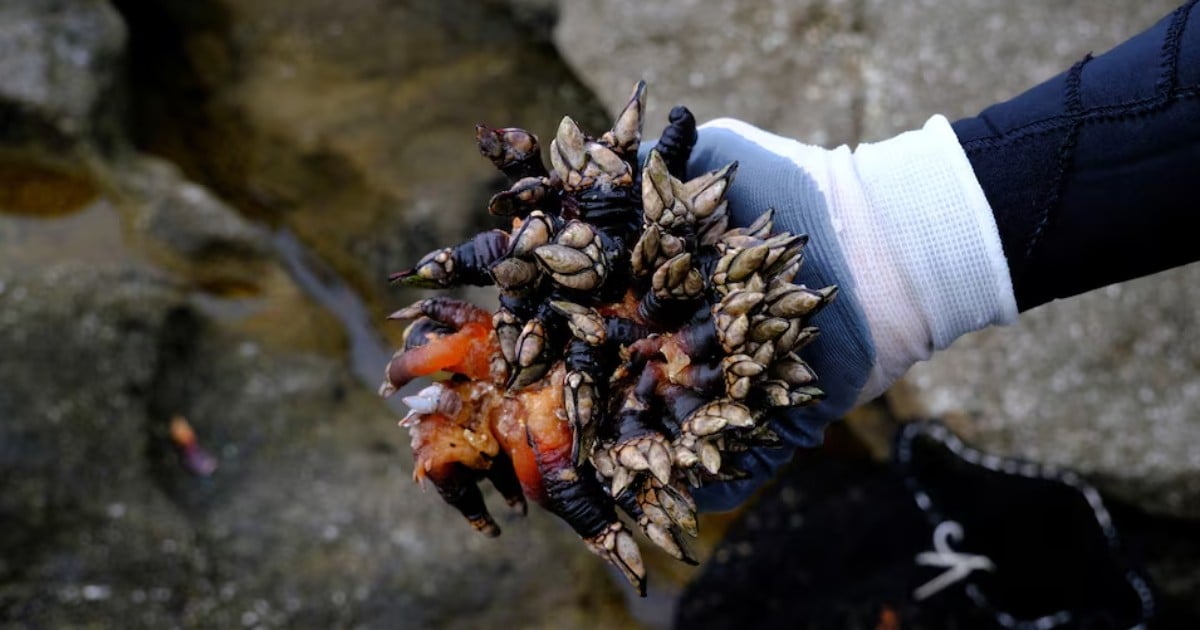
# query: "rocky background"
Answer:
x=200 y=201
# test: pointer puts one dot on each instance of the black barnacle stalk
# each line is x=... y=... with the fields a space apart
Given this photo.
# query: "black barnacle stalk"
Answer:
x=622 y=332
x=458 y=486
x=423 y=330
x=467 y=263
x=640 y=339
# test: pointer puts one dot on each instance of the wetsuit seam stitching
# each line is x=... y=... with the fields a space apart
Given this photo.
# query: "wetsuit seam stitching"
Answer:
x=1102 y=113
x=1066 y=152
x=1169 y=74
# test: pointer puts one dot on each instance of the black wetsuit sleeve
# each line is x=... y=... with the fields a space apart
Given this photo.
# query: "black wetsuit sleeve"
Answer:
x=1093 y=175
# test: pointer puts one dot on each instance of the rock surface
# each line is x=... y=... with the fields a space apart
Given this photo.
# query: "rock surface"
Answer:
x=131 y=295
x=352 y=123
x=1105 y=383
x=792 y=67
x=59 y=65
x=309 y=517
x=133 y=289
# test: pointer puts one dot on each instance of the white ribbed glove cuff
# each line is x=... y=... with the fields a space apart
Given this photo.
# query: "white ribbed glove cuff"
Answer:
x=922 y=245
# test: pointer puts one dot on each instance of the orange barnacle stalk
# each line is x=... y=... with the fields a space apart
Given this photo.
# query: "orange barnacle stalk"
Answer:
x=449 y=335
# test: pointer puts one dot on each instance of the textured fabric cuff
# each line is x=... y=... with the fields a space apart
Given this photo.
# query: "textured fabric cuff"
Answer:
x=929 y=219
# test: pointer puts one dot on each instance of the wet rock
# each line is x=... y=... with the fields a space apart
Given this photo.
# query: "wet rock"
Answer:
x=351 y=123
x=192 y=230
x=91 y=233
x=185 y=217
x=154 y=300
x=31 y=188
x=81 y=518
x=59 y=63
x=309 y=517
x=60 y=102
x=130 y=295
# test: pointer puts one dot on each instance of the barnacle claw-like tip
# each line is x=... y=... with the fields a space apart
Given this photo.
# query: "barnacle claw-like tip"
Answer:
x=571 y=143
x=560 y=259
x=710 y=457
x=668 y=541
x=412 y=311
x=511 y=149
x=503 y=204
x=762 y=225
x=585 y=322
x=660 y=463
x=655 y=164
x=657 y=192
x=747 y=261
x=514 y=274
x=418 y=278
x=435 y=398
x=523 y=377
x=578 y=455
x=617 y=545
x=680 y=508
x=685 y=457
x=486 y=526
x=621 y=478
x=632 y=457
x=626 y=132
x=721 y=178
x=488 y=140
x=704 y=424
x=535 y=231
x=564 y=307
x=408 y=277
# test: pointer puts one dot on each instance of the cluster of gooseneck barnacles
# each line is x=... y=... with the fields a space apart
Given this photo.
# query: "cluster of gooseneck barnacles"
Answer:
x=639 y=339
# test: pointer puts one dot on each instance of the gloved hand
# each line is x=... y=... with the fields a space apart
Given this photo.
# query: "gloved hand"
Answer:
x=901 y=226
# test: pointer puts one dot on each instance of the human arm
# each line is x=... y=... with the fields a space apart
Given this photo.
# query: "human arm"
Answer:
x=1120 y=210
x=1091 y=175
